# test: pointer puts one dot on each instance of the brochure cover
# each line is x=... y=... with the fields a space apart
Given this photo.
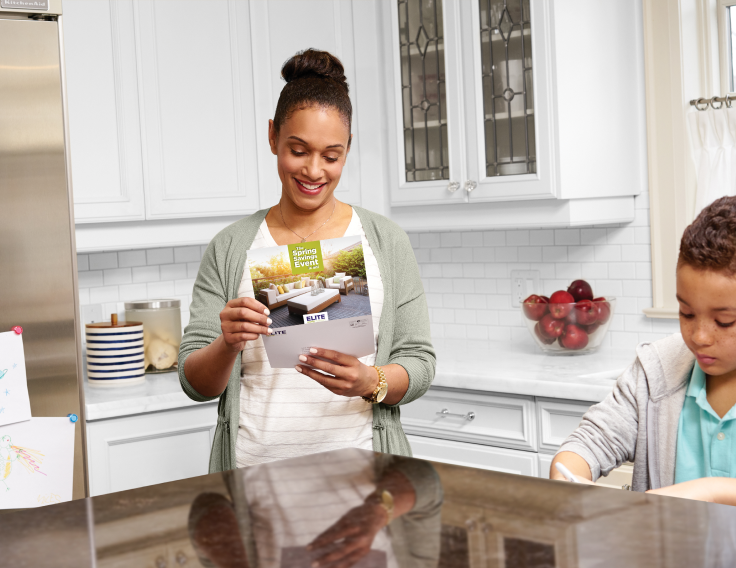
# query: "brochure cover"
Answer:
x=318 y=297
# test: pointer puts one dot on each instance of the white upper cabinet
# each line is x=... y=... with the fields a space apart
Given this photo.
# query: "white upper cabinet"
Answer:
x=507 y=100
x=102 y=92
x=196 y=108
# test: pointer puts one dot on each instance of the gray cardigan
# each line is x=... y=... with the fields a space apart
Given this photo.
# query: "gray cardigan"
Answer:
x=403 y=334
x=638 y=421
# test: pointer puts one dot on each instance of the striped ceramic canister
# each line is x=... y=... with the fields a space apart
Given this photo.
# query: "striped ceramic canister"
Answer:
x=115 y=353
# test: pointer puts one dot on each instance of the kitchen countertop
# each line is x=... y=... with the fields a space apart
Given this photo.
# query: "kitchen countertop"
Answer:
x=522 y=368
x=160 y=391
x=445 y=515
x=510 y=368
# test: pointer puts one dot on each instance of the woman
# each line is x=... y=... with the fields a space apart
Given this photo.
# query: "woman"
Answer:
x=268 y=414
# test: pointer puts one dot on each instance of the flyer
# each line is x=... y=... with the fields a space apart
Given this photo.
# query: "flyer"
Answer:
x=318 y=297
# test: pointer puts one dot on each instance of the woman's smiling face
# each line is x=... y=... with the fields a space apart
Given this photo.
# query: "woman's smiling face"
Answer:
x=311 y=149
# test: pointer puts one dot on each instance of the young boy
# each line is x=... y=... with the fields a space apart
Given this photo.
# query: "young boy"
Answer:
x=673 y=411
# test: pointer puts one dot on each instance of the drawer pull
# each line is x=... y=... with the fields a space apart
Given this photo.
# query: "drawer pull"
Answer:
x=444 y=412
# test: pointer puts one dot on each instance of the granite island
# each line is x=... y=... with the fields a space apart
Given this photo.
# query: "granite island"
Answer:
x=440 y=516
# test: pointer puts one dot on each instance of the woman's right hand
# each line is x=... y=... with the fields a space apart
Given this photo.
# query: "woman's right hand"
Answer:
x=243 y=320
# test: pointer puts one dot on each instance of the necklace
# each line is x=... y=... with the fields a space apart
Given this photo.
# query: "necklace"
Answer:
x=304 y=239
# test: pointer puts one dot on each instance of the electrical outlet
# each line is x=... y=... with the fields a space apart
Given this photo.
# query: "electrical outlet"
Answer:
x=91 y=313
x=523 y=284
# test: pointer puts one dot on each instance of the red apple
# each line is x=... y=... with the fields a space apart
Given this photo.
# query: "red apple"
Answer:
x=592 y=328
x=535 y=307
x=580 y=290
x=560 y=304
x=603 y=308
x=586 y=312
x=541 y=336
x=551 y=327
x=574 y=337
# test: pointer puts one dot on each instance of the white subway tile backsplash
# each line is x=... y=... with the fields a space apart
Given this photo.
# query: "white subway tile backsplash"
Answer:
x=567 y=236
x=554 y=254
x=581 y=253
x=517 y=238
x=440 y=255
x=595 y=270
x=494 y=238
x=462 y=255
x=530 y=254
x=131 y=292
x=451 y=240
x=99 y=295
x=160 y=256
x=507 y=254
x=473 y=239
x=90 y=278
x=422 y=255
x=173 y=271
x=130 y=258
x=429 y=240
x=620 y=236
x=103 y=260
x=543 y=237
x=159 y=290
x=184 y=286
x=114 y=276
x=82 y=262
x=186 y=254
x=466 y=277
x=594 y=236
x=636 y=252
x=453 y=301
x=146 y=274
x=608 y=253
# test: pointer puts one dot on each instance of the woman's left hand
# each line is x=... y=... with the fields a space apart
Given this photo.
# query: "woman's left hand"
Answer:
x=342 y=374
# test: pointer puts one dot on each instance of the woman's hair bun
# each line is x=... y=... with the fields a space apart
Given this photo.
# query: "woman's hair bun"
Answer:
x=314 y=63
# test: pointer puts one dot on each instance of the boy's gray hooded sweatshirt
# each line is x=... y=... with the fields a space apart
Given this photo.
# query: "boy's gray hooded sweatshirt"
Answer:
x=638 y=421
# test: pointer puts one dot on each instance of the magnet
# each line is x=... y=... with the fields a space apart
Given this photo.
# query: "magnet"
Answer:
x=17 y=329
x=73 y=417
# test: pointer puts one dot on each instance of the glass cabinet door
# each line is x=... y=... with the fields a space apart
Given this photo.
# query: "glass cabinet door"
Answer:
x=509 y=121
x=426 y=87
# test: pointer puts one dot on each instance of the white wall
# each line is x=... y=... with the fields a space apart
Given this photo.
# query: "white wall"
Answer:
x=467 y=277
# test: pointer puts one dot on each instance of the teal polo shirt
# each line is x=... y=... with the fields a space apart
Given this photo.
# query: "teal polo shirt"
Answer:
x=706 y=443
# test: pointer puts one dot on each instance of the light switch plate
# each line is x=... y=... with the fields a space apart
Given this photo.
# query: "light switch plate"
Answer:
x=91 y=313
x=523 y=284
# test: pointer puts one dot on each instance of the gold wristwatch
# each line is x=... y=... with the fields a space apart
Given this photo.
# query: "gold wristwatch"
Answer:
x=381 y=390
x=384 y=498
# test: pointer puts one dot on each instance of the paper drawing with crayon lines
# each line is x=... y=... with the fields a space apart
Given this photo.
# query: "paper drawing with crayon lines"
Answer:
x=36 y=461
x=11 y=455
x=16 y=406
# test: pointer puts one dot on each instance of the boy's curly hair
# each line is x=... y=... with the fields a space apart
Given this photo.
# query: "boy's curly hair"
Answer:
x=709 y=243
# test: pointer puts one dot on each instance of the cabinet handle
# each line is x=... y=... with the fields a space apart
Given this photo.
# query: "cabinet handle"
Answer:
x=470 y=185
x=181 y=558
x=453 y=186
x=469 y=416
x=161 y=562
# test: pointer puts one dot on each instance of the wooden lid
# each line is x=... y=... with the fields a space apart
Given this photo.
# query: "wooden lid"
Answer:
x=114 y=323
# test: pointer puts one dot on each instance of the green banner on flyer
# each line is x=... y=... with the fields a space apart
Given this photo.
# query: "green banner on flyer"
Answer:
x=306 y=257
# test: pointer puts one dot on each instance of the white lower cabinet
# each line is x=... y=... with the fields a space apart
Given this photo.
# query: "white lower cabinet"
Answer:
x=509 y=433
x=475 y=455
x=146 y=449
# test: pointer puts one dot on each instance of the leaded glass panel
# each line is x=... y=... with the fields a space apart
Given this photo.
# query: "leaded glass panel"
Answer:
x=508 y=101
x=424 y=103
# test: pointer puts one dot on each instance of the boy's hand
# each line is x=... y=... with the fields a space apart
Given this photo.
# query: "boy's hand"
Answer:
x=698 y=489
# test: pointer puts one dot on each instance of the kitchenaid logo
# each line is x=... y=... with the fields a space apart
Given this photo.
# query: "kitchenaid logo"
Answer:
x=25 y=4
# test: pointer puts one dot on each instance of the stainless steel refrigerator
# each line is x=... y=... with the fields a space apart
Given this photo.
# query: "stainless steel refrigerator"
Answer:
x=38 y=262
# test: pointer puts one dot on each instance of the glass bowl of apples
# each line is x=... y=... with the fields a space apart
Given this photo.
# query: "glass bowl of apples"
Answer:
x=569 y=322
